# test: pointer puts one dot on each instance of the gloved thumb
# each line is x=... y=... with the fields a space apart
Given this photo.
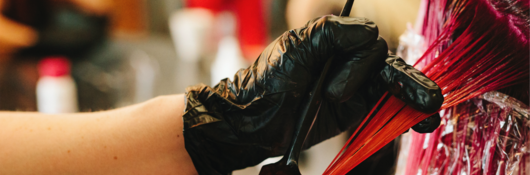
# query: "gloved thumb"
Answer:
x=351 y=70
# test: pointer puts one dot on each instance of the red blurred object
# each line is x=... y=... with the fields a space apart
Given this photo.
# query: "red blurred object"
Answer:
x=251 y=24
x=251 y=29
x=213 y=5
x=55 y=66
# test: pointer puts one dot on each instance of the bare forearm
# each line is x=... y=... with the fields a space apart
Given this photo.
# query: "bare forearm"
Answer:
x=140 y=139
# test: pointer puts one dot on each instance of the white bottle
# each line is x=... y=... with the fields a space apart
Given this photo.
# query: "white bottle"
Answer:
x=229 y=57
x=56 y=90
x=191 y=30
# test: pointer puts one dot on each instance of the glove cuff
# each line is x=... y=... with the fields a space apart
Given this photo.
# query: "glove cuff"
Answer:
x=212 y=142
x=196 y=112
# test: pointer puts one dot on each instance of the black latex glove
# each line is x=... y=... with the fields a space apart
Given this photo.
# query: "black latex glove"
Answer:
x=239 y=124
x=429 y=124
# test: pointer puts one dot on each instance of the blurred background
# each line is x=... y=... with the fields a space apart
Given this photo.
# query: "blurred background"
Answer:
x=122 y=52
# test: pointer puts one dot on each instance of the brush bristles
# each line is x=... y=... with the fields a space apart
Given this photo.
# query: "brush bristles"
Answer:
x=478 y=49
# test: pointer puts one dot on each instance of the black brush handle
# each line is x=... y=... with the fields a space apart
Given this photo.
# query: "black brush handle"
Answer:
x=309 y=111
x=347 y=8
x=312 y=106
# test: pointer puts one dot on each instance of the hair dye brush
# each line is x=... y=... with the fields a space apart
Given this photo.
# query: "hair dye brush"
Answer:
x=289 y=163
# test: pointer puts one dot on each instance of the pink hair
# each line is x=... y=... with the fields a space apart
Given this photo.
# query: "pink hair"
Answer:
x=476 y=46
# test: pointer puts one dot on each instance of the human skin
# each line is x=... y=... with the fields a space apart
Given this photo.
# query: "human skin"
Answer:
x=141 y=139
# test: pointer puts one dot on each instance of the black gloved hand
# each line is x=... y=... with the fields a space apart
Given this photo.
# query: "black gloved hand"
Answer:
x=239 y=124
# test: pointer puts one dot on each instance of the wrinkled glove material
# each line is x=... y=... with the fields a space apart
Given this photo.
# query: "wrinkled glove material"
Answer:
x=239 y=123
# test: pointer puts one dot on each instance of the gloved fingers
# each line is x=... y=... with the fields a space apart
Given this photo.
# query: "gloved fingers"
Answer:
x=351 y=33
x=351 y=69
x=411 y=86
x=297 y=57
x=323 y=37
x=429 y=124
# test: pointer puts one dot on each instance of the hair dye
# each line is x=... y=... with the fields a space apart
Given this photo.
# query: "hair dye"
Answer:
x=477 y=46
